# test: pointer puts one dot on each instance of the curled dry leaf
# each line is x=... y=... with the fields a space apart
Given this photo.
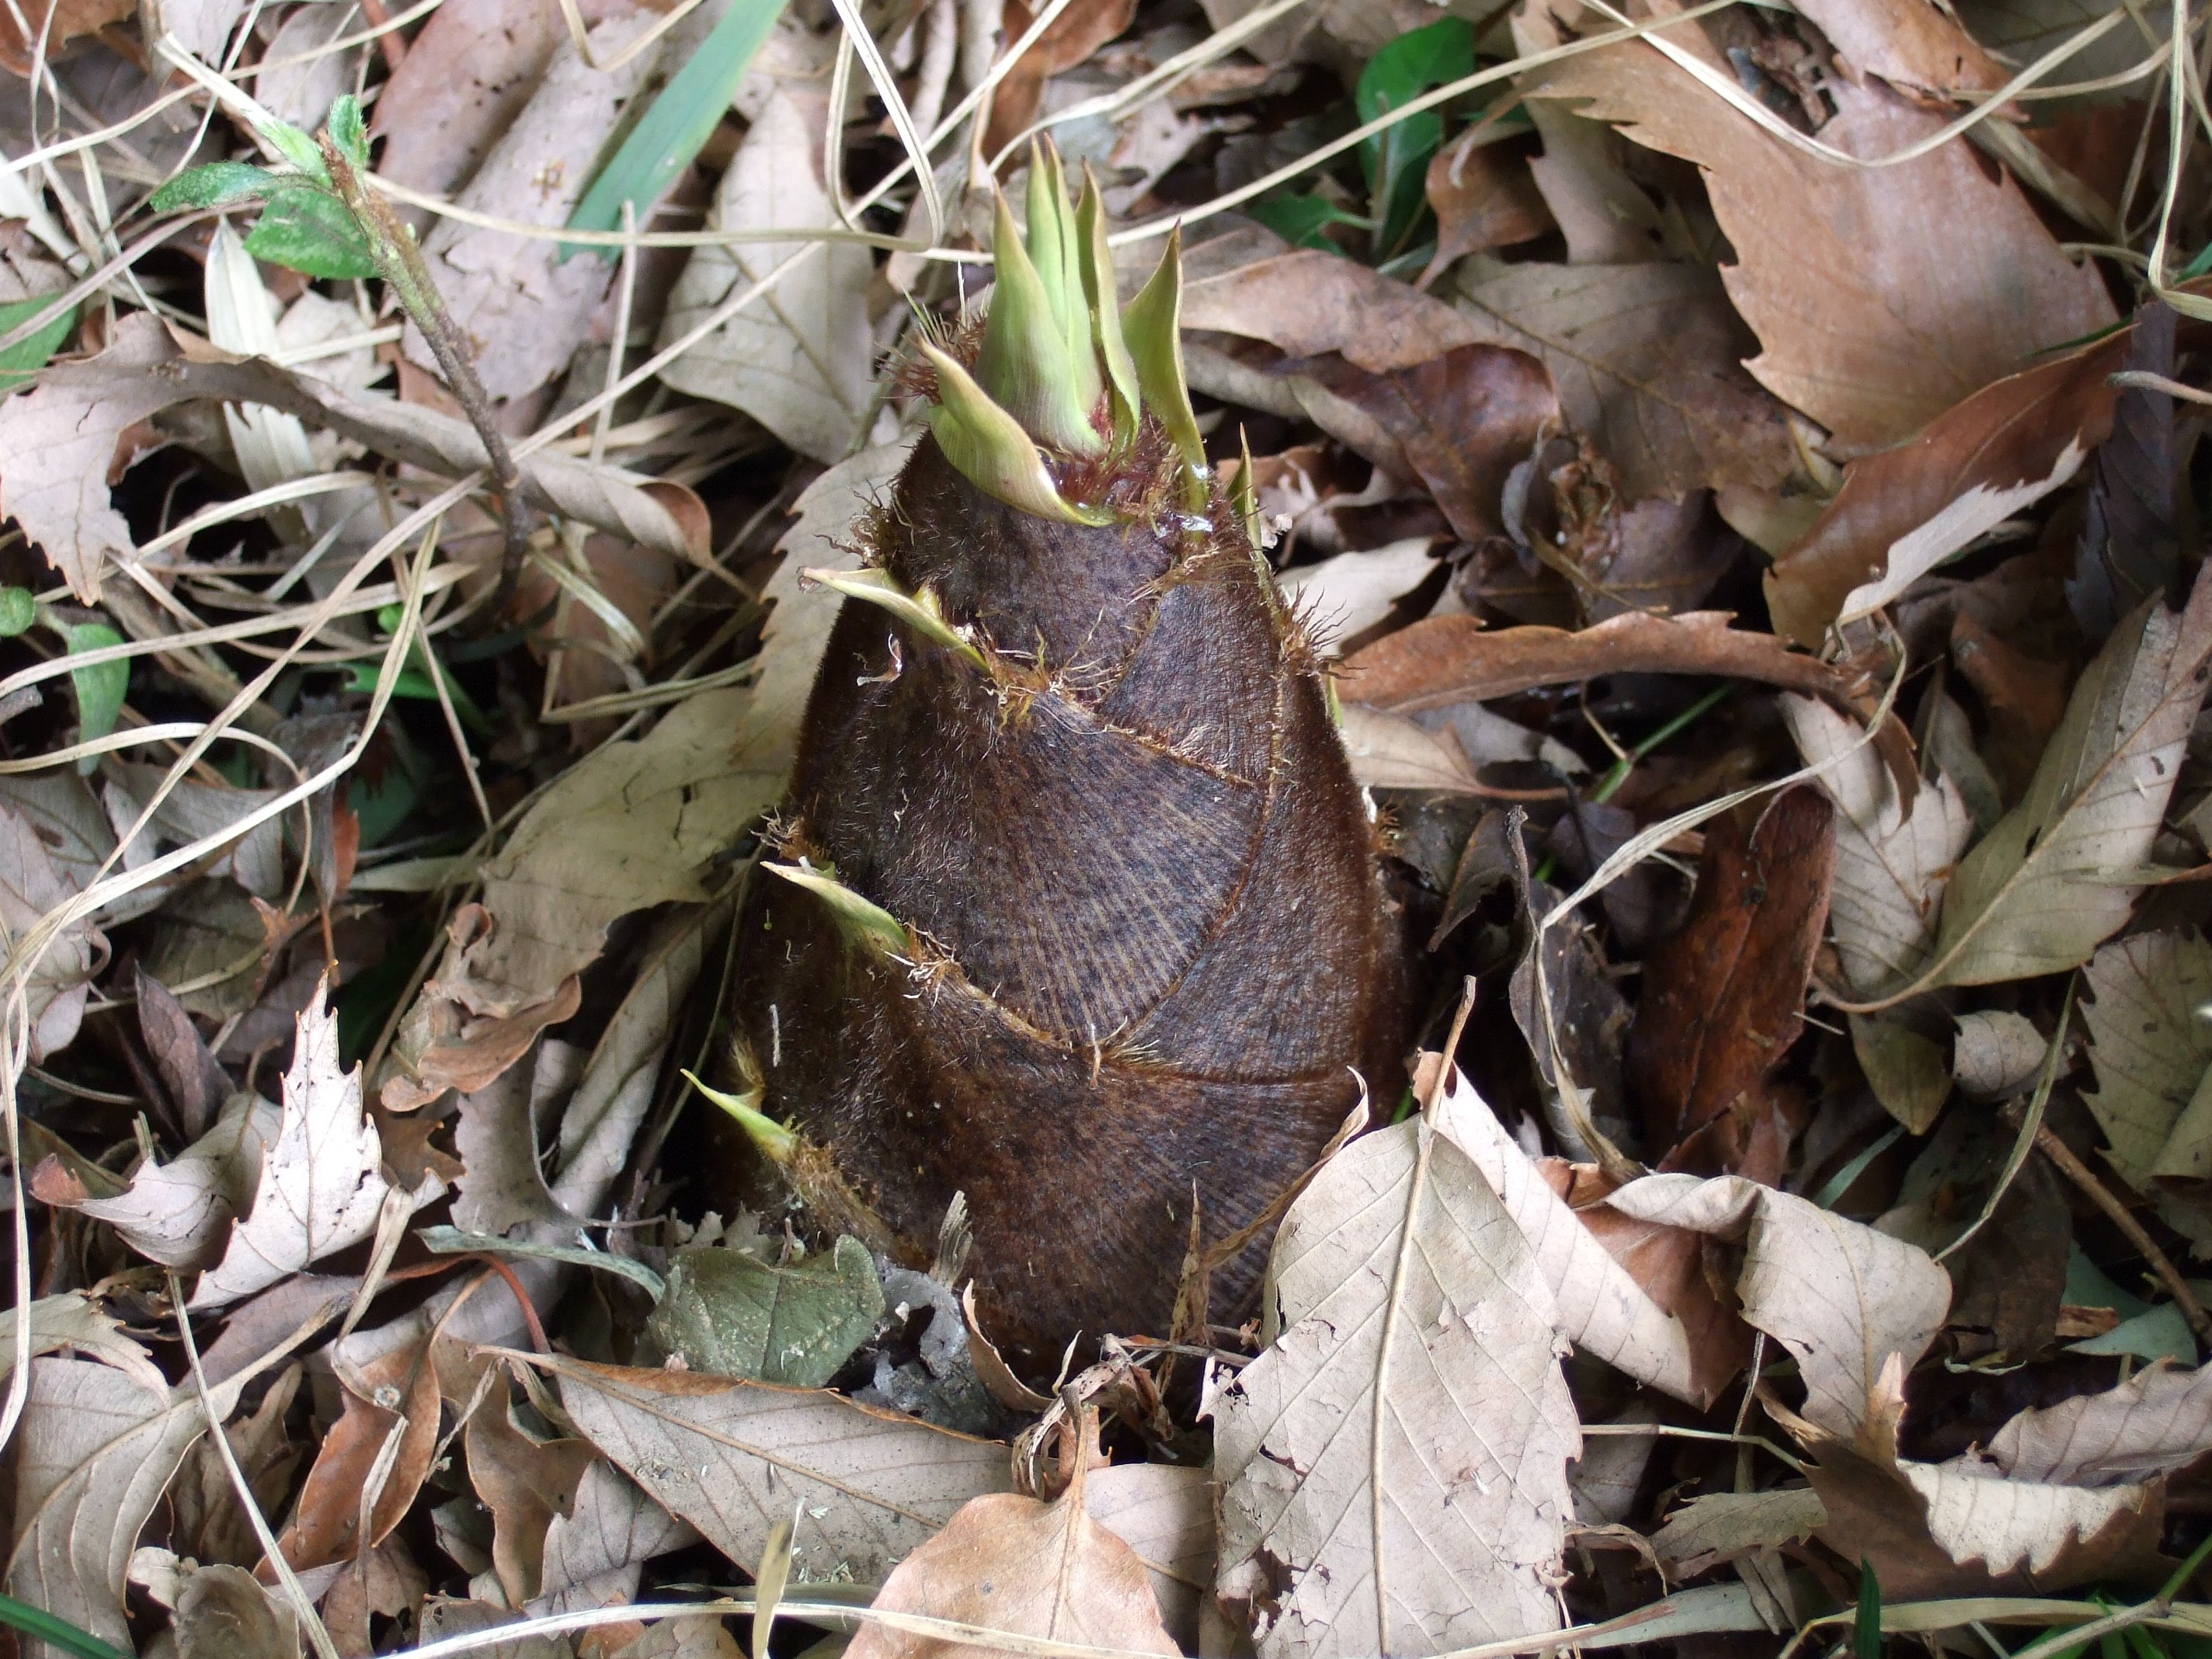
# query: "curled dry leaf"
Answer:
x=1483 y=197
x=2060 y=871
x=1012 y=1564
x=33 y=886
x=92 y=1455
x=1306 y=303
x=1892 y=858
x=526 y=1484
x=1723 y=996
x=593 y=1553
x=1911 y=44
x=2151 y=1051
x=1996 y=1052
x=2155 y=1423
x=1716 y=1528
x=62 y=440
x=180 y=1214
x=72 y=1320
x=1448 y=659
x=1648 y=359
x=1390 y=751
x=1165 y=1512
x=1994 y=443
x=1345 y=595
x=389 y=1420
x=1392 y=1465
x=222 y=1613
x=731 y=1457
x=1871 y=326
x=1840 y=1296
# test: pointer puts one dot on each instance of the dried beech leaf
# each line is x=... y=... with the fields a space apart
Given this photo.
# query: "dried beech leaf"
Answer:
x=2157 y=1422
x=2151 y=1051
x=1871 y=326
x=1840 y=1296
x=1400 y=1305
x=92 y=1455
x=1448 y=659
x=1719 y=1527
x=730 y=1457
x=2060 y=871
x=1892 y=864
x=1165 y=1512
x=1013 y=1564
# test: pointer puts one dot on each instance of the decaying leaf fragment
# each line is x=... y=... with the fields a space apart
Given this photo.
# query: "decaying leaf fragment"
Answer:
x=1394 y=1464
x=1014 y=1564
x=2152 y=1050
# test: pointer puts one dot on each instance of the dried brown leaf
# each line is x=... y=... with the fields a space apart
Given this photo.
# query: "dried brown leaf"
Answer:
x=1914 y=45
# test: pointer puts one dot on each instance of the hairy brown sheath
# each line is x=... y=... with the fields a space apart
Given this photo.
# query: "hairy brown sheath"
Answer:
x=1146 y=948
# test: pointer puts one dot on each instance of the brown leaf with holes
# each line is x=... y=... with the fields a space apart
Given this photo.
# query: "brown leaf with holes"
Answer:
x=325 y=1526
x=1723 y=998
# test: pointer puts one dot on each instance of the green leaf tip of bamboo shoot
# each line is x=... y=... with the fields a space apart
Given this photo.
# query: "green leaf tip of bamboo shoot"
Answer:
x=1152 y=324
x=990 y=448
x=919 y=610
x=1025 y=365
x=776 y=1142
x=862 y=919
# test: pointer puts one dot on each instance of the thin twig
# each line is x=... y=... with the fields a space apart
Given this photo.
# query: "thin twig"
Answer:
x=399 y=261
x=2085 y=1178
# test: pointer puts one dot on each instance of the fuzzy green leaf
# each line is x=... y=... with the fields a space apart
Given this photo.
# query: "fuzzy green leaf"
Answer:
x=989 y=448
x=26 y=357
x=216 y=185
x=18 y=612
x=1024 y=365
x=730 y=1314
x=298 y=148
x=670 y=134
x=310 y=230
x=1153 y=326
x=348 y=131
x=100 y=688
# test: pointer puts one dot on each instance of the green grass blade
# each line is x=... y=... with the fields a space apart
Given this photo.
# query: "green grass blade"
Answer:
x=1866 y=1626
x=37 y=1621
x=22 y=360
x=670 y=134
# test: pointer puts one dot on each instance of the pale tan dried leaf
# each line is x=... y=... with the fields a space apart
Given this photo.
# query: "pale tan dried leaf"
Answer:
x=1913 y=44
x=1013 y=1564
x=303 y=79
x=1870 y=325
x=2150 y=1048
x=1840 y=1296
x=495 y=1132
x=321 y=1182
x=1648 y=359
x=1601 y=1308
x=593 y=1555
x=1996 y=1051
x=2155 y=1423
x=523 y=307
x=178 y=1213
x=1394 y=1464
x=1978 y=1514
x=1353 y=592
x=2060 y=871
x=1719 y=1526
x=796 y=361
x=73 y=1320
x=1892 y=866
x=91 y=1457
x=1390 y=751
x=32 y=886
x=59 y=440
x=1165 y=1512
x=1303 y=302
x=1904 y=1068
x=222 y=1613
x=1963 y=521
x=731 y=1457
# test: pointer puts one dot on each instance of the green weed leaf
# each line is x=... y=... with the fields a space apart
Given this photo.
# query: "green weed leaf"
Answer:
x=297 y=148
x=310 y=230
x=1396 y=161
x=25 y=358
x=18 y=611
x=216 y=185
x=100 y=687
x=348 y=131
x=1866 y=1626
x=1304 y=219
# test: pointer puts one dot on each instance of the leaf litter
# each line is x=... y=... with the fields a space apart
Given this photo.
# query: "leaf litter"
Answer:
x=1742 y=467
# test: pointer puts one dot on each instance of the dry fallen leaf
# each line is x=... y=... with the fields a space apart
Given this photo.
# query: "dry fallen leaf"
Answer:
x=1013 y=1564
x=2151 y=1049
x=1393 y=1466
x=1892 y=862
x=1165 y=1512
x=1914 y=45
x=2060 y=873
x=799 y=362
x=180 y=1214
x=731 y=1457
x=1871 y=326
x=1717 y=1527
